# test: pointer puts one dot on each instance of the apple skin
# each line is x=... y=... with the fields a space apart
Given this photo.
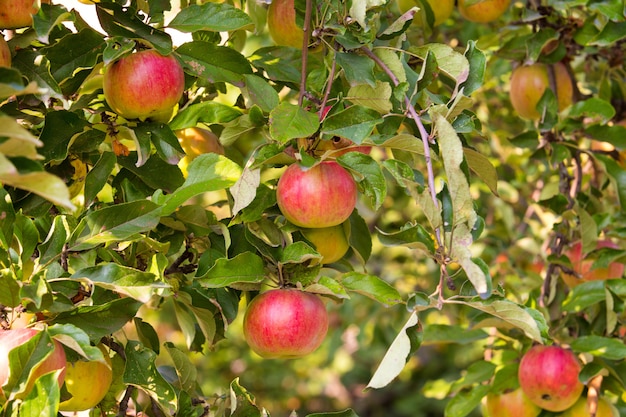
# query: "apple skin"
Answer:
x=88 y=382
x=144 y=85
x=580 y=409
x=330 y=242
x=442 y=10
x=15 y=14
x=321 y=196
x=5 y=53
x=195 y=141
x=484 y=12
x=583 y=266
x=13 y=338
x=529 y=82
x=510 y=404
x=281 y=23
x=285 y=323
x=548 y=375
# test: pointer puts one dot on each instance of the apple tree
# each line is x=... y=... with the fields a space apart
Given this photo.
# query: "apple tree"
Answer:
x=398 y=203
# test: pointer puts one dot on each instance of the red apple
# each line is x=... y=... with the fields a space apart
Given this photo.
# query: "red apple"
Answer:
x=580 y=409
x=330 y=242
x=144 y=85
x=484 y=11
x=548 y=375
x=529 y=82
x=16 y=14
x=583 y=266
x=510 y=404
x=5 y=53
x=321 y=196
x=10 y=339
x=285 y=323
x=281 y=23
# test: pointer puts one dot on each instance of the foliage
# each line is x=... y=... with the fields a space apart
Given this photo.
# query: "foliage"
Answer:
x=456 y=245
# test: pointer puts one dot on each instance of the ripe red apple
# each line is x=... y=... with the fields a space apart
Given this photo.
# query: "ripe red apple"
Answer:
x=321 y=196
x=548 y=375
x=144 y=85
x=510 y=404
x=529 y=82
x=5 y=53
x=285 y=323
x=13 y=338
x=484 y=11
x=442 y=10
x=580 y=409
x=281 y=22
x=16 y=14
x=583 y=266
x=330 y=242
x=88 y=382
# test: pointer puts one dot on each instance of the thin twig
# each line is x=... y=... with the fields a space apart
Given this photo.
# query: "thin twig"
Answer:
x=305 y=50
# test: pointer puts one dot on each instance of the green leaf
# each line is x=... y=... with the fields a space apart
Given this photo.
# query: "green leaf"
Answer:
x=618 y=175
x=358 y=69
x=243 y=403
x=214 y=63
x=483 y=168
x=35 y=69
x=451 y=63
x=98 y=176
x=604 y=347
x=297 y=253
x=76 y=339
x=465 y=402
x=19 y=142
x=371 y=286
x=141 y=371
x=56 y=239
x=208 y=112
x=217 y=17
x=164 y=140
x=355 y=123
x=477 y=66
x=260 y=92
x=185 y=370
x=246 y=267
x=445 y=333
x=345 y=413
x=615 y=135
x=360 y=238
x=43 y=400
x=289 y=121
x=74 y=52
x=11 y=84
x=396 y=356
x=377 y=97
x=593 y=108
x=245 y=189
x=368 y=175
x=477 y=372
x=413 y=236
x=60 y=126
x=9 y=290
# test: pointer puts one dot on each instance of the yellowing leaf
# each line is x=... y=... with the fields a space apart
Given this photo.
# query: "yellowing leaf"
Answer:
x=376 y=98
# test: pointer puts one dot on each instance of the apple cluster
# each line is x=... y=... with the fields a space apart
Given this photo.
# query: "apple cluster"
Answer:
x=86 y=382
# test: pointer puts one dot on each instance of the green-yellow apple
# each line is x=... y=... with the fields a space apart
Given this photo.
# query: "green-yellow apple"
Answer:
x=55 y=360
x=285 y=323
x=548 y=375
x=529 y=82
x=281 y=23
x=144 y=85
x=510 y=404
x=442 y=10
x=583 y=267
x=484 y=11
x=5 y=53
x=16 y=14
x=580 y=409
x=195 y=141
x=323 y=195
x=330 y=242
x=88 y=382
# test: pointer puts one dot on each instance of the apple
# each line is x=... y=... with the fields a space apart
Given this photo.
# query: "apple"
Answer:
x=195 y=141
x=281 y=23
x=323 y=195
x=510 y=404
x=548 y=375
x=529 y=82
x=88 y=382
x=330 y=242
x=580 y=409
x=16 y=14
x=442 y=10
x=13 y=338
x=5 y=53
x=583 y=266
x=285 y=323
x=484 y=11
x=341 y=146
x=144 y=85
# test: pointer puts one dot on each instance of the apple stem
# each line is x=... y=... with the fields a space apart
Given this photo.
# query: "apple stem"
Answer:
x=305 y=50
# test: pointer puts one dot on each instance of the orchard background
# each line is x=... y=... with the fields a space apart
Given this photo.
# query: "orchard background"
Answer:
x=465 y=247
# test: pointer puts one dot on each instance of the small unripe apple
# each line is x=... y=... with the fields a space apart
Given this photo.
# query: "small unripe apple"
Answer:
x=510 y=404
x=15 y=14
x=285 y=323
x=88 y=382
x=442 y=10
x=196 y=141
x=5 y=53
x=529 y=82
x=10 y=339
x=484 y=11
x=583 y=267
x=144 y=85
x=281 y=23
x=330 y=242
x=321 y=196
x=580 y=409
x=548 y=375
